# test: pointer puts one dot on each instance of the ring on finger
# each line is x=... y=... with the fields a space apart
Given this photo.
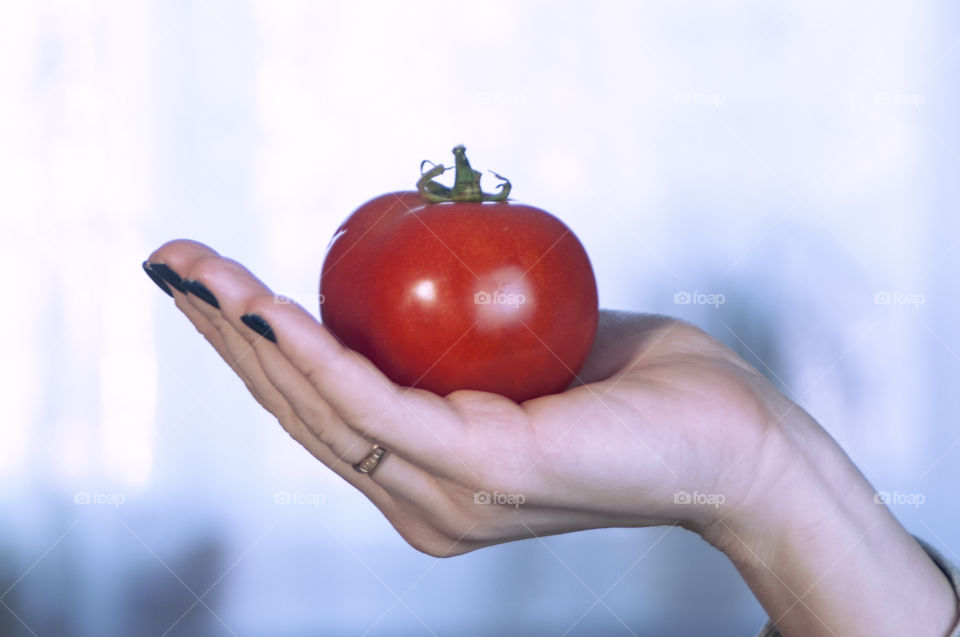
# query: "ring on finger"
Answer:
x=372 y=461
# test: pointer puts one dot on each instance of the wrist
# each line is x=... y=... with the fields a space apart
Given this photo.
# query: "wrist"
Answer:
x=822 y=556
x=802 y=484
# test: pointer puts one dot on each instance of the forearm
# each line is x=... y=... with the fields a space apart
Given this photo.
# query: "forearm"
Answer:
x=824 y=558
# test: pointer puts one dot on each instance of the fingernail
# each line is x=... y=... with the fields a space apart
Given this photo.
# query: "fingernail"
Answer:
x=167 y=274
x=256 y=323
x=200 y=291
x=156 y=279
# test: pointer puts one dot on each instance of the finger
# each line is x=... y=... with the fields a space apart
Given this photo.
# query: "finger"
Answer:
x=180 y=256
x=171 y=260
x=166 y=264
x=417 y=424
x=282 y=384
x=174 y=262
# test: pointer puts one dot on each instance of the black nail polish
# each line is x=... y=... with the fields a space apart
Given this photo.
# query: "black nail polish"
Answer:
x=167 y=274
x=156 y=279
x=200 y=291
x=256 y=323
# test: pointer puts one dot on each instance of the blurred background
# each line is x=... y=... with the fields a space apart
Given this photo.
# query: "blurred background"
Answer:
x=784 y=175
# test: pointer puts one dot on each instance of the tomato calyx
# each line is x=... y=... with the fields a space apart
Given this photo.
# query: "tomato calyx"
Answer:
x=466 y=182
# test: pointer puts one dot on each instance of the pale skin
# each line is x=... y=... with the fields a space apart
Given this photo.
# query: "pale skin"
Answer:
x=659 y=408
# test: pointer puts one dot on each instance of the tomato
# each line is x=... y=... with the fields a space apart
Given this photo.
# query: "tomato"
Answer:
x=484 y=294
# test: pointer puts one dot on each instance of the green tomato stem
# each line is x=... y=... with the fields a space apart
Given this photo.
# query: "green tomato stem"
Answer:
x=466 y=182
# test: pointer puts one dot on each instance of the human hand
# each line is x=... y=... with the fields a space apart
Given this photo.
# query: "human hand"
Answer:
x=660 y=411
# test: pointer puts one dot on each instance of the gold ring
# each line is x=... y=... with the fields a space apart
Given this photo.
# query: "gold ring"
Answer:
x=372 y=461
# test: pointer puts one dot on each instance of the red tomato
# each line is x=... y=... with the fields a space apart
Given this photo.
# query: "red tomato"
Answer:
x=490 y=296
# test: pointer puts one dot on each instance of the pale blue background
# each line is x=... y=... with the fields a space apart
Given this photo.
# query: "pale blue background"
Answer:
x=798 y=158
